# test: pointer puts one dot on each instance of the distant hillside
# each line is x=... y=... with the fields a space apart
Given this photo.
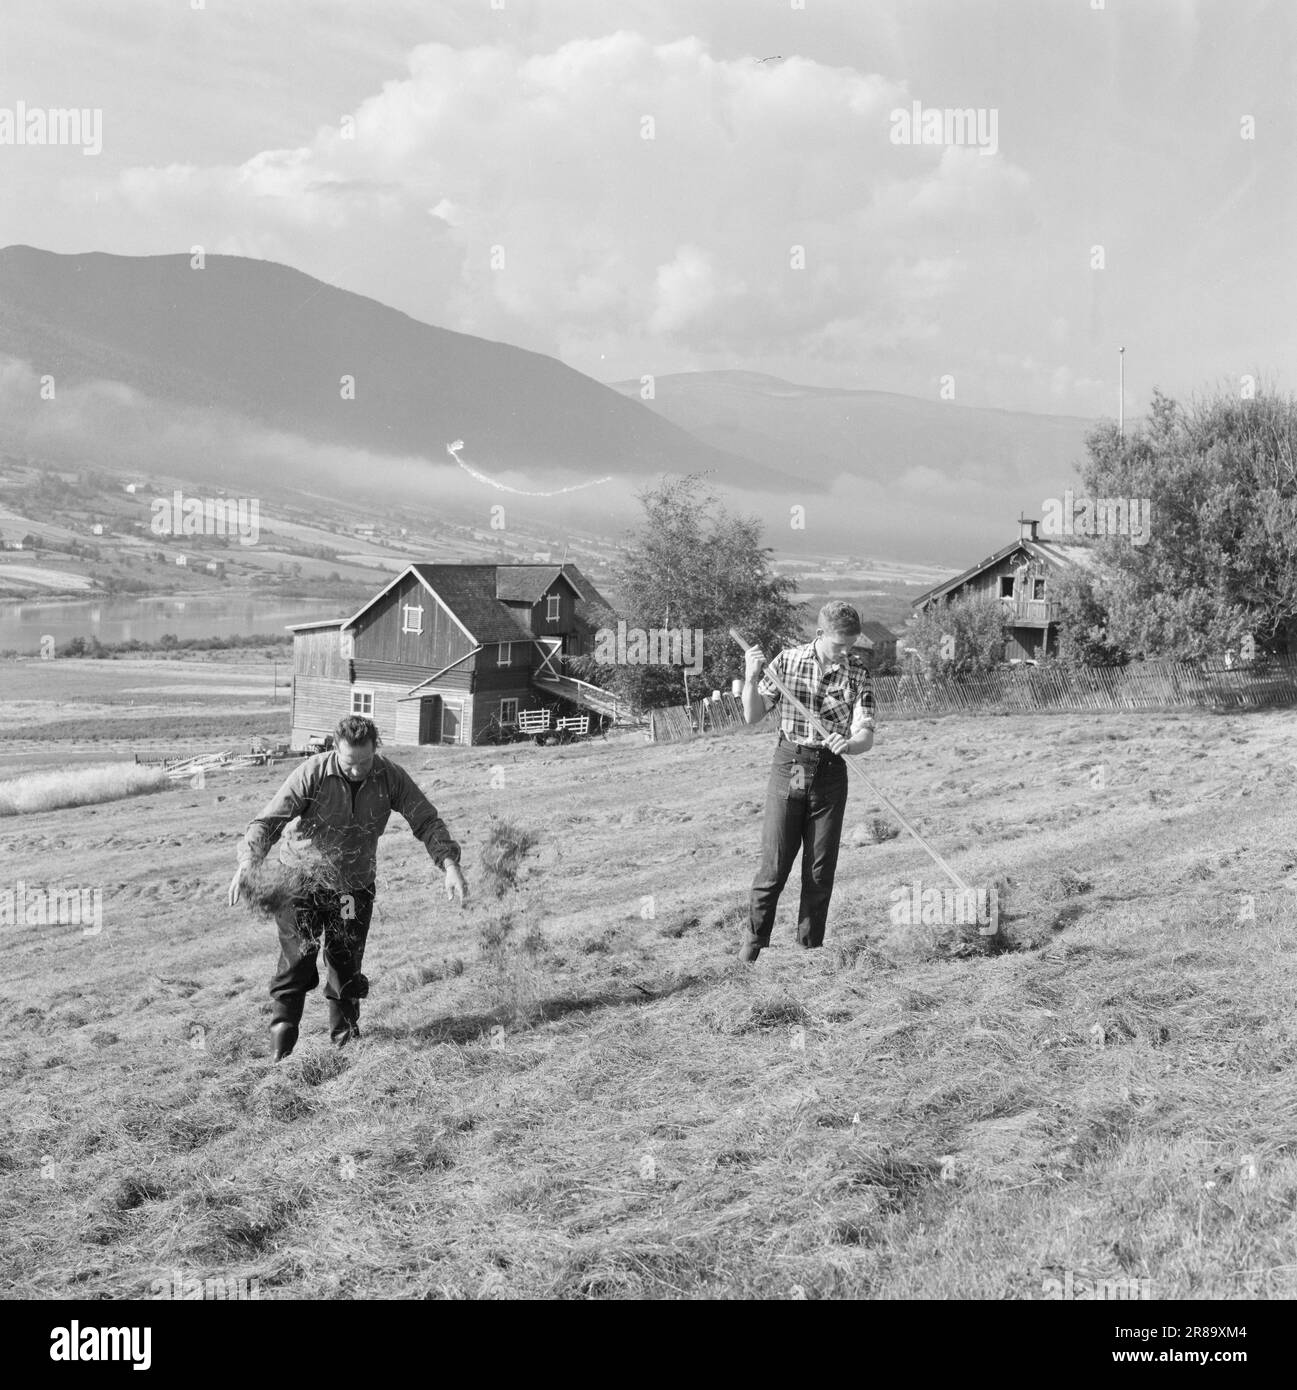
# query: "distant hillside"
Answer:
x=261 y=342
x=920 y=479
x=233 y=376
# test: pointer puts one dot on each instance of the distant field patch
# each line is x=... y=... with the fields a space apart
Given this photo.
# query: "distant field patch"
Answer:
x=60 y=581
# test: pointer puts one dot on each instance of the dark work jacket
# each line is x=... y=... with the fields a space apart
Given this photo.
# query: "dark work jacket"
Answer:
x=317 y=796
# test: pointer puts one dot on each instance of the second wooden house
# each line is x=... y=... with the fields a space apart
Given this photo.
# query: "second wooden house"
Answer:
x=1018 y=576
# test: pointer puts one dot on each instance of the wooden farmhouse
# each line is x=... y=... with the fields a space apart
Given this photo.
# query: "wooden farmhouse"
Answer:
x=1019 y=576
x=879 y=643
x=444 y=650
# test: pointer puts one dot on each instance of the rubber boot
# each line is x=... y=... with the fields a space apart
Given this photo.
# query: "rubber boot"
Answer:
x=283 y=1038
x=344 y=1021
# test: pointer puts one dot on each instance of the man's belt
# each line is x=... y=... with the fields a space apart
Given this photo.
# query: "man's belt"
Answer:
x=809 y=747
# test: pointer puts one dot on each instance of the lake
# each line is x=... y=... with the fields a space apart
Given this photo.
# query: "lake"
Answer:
x=24 y=622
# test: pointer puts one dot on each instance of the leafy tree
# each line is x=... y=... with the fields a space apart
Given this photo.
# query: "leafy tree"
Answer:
x=962 y=636
x=1083 y=635
x=695 y=566
x=1221 y=559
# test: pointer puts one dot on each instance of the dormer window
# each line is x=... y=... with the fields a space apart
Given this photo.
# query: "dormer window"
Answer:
x=412 y=618
x=551 y=613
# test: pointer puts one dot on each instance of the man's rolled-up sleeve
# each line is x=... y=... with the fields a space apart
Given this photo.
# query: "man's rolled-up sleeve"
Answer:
x=423 y=819
x=262 y=832
x=865 y=706
x=766 y=686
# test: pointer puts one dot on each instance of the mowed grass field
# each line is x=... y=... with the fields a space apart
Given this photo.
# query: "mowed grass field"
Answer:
x=575 y=1091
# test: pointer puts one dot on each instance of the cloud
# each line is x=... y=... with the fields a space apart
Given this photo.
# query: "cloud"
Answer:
x=609 y=187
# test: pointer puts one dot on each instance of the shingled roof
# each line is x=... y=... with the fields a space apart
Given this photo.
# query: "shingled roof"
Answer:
x=469 y=591
x=479 y=595
x=874 y=633
x=1061 y=554
x=528 y=583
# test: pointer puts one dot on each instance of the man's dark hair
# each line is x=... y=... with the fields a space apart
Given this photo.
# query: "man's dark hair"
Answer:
x=356 y=729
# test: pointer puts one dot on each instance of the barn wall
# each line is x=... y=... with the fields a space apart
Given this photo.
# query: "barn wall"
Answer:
x=522 y=652
x=506 y=679
x=408 y=712
x=486 y=704
x=405 y=727
x=532 y=616
x=389 y=712
x=318 y=704
x=319 y=653
x=379 y=636
x=392 y=673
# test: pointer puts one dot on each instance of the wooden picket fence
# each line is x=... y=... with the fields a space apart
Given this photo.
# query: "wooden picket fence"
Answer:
x=677 y=722
x=1142 y=685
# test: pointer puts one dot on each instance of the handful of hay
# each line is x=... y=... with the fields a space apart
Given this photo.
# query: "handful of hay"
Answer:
x=270 y=886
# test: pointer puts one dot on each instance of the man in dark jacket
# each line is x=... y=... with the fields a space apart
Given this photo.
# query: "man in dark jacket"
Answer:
x=341 y=801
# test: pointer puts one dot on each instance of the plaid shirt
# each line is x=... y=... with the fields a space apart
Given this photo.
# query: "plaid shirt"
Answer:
x=833 y=694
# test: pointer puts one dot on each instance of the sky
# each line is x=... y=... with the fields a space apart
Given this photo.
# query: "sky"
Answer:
x=651 y=186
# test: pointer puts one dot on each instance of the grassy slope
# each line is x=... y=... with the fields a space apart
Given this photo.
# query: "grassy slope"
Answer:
x=613 y=1108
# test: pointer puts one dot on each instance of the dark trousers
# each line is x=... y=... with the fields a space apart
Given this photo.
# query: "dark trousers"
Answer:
x=342 y=920
x=806 y=799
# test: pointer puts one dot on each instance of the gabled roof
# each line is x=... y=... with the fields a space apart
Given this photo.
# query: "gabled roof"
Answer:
x=477 y=597
x=581 y=582
x=470 y=593
x=316 y=622
x=517 y=583
x=1067 y=555
x=874 y=633
x=1062 y=555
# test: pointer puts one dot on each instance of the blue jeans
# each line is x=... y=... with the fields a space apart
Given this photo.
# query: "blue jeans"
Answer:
x=806 y=799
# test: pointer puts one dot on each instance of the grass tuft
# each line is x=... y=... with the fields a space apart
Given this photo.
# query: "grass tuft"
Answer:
x=502 y=855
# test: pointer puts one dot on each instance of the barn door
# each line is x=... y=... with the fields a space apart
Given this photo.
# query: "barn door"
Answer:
x=552 y=650
x=452 y=715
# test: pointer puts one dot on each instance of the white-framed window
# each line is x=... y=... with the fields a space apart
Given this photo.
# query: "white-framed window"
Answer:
x=362 y=702
x=506 y=654
x=551 y=614
x=412 y=617
x=508 y=711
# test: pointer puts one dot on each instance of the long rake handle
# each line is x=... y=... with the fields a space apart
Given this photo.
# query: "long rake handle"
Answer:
x=853 y=760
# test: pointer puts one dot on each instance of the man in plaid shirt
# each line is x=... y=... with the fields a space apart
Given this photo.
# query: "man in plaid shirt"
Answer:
x=806 y=796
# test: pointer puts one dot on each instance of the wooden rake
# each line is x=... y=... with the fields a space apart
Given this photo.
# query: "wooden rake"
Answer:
x=856 y=763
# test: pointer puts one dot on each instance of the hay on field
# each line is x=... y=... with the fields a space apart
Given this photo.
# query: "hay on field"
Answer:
x=82 y=786
x=503 y=853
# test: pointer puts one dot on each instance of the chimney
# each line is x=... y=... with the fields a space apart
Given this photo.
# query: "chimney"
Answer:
x=1027 y=529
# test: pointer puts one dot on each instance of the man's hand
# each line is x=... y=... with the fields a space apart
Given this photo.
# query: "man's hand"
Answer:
x=236 y=883
x=456 y=888
x=836 y=743
x=756 y=661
